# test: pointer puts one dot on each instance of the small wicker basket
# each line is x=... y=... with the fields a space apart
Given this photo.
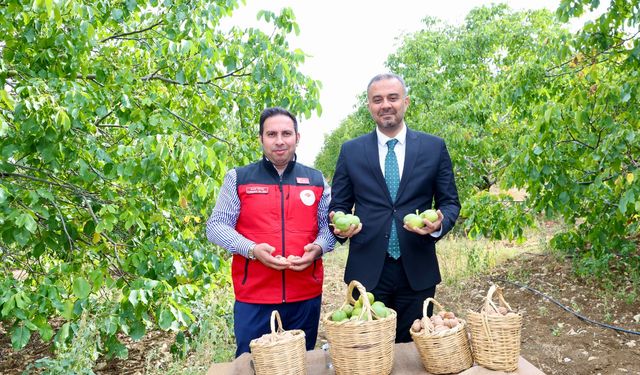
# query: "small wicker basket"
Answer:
x=285 y=354
x=443 y=352
x=495 y=338
x=361 y=347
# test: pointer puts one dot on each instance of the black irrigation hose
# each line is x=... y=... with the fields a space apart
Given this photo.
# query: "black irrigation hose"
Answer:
x=582 y=317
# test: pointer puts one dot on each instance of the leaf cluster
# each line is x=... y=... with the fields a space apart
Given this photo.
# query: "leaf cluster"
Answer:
x=522 y=102
x=118 y=121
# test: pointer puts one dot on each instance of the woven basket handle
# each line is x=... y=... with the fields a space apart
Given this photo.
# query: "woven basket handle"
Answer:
x=366 y=305
x=276 y=315
x=488 y=303
x=425 y=306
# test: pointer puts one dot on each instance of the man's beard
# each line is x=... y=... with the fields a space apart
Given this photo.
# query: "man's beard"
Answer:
x=389 y=123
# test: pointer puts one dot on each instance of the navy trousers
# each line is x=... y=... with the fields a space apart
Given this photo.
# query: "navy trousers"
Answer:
x=254 y=320
x=394 y=290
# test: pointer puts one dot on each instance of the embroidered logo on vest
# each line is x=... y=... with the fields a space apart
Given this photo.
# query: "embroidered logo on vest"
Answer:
x=307 y=197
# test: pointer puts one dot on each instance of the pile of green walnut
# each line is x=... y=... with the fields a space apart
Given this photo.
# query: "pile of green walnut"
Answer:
x=416 y=220
x=357 y=311
x=343 y=221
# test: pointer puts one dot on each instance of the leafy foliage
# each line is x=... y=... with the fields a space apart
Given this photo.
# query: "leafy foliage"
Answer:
x=537 y=108
x=455 y=75
x=495 y=215
x=118 y=121
x=581 y=157
x=356 y=124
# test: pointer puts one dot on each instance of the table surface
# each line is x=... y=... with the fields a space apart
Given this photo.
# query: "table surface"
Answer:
x=406 y=362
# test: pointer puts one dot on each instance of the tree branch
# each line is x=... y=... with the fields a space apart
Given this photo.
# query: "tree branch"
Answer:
x=185 y=121
x=98 y=121
x=120 y=36
x=112 y=126
x=593 y=58
x=163 y=79
x=114 y=243
x=155 y=76
x=64 y=226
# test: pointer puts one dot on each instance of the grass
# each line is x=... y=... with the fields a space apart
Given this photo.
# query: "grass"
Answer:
x=460 y=257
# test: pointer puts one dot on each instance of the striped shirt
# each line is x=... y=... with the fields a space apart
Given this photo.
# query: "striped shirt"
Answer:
x=222 y=222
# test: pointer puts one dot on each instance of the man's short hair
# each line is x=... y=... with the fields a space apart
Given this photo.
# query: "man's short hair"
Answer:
x=383 y=76
x=275 y=111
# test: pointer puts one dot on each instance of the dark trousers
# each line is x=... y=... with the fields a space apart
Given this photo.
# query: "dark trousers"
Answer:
x=394 y=290
x=254 y=320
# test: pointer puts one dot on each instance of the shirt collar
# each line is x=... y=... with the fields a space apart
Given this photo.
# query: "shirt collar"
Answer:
x=269 y=164
x=401 y=136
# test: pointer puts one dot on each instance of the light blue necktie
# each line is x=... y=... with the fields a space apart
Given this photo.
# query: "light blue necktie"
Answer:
x=392 y=177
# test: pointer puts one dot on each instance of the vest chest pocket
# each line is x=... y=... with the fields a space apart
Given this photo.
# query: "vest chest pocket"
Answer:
x=302 y=208
x=260 y=207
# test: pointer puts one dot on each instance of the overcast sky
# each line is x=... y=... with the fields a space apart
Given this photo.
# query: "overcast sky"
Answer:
x=348 y=42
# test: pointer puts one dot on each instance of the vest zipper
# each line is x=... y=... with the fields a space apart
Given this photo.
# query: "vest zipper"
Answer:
x=283 y=239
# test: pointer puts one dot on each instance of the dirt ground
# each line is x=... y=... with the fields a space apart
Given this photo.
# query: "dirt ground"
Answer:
x=553 y=340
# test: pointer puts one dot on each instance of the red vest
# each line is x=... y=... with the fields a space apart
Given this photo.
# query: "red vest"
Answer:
x=282 y=212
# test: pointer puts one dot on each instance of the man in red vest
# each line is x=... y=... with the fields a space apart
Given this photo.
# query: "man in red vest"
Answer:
x=272 y=215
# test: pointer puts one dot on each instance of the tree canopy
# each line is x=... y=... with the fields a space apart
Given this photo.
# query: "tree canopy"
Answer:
x=118 y=121
x=522 y=102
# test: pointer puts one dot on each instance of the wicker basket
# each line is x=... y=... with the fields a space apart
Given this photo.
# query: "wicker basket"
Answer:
x=361 y=347
x=443 y=352
x=282 y=355
x=495 y=338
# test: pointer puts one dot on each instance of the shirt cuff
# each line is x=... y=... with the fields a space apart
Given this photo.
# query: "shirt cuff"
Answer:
x=323 y=245
x=437 y=234
x=243 y=247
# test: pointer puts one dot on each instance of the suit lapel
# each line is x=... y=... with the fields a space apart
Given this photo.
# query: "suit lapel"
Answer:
x=371 y=154
x=411 y=152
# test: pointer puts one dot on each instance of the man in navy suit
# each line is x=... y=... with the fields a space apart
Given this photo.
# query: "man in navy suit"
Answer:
x=383 y=176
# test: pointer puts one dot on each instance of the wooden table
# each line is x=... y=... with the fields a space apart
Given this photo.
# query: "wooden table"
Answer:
x=406 y=362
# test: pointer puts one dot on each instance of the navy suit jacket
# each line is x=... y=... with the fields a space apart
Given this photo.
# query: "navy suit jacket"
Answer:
x=358 y=183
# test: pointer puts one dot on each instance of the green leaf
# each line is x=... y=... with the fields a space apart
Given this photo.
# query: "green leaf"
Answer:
x=116 y=349
x=67 y=310
x=63 y=334
x=133 y=297
x=117 y=14
x=62 y=120
x=628 y=197
x=165 y=319
x=7 y=100
x=4 y=127
x=81 y=287
x=180 y=77
x=110 y=326
x=49 y=5
x=230 y=63
x=537 y=150
x=20 y=336
x=8 y=306
x=138 y=330
x=37 y=4
x=44 y=328
x=26 y=221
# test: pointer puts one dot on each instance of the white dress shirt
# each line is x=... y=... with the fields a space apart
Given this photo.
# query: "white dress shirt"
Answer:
x=400 y=150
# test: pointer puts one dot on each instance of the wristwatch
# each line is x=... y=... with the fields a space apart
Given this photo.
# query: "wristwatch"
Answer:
x=250 y=253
